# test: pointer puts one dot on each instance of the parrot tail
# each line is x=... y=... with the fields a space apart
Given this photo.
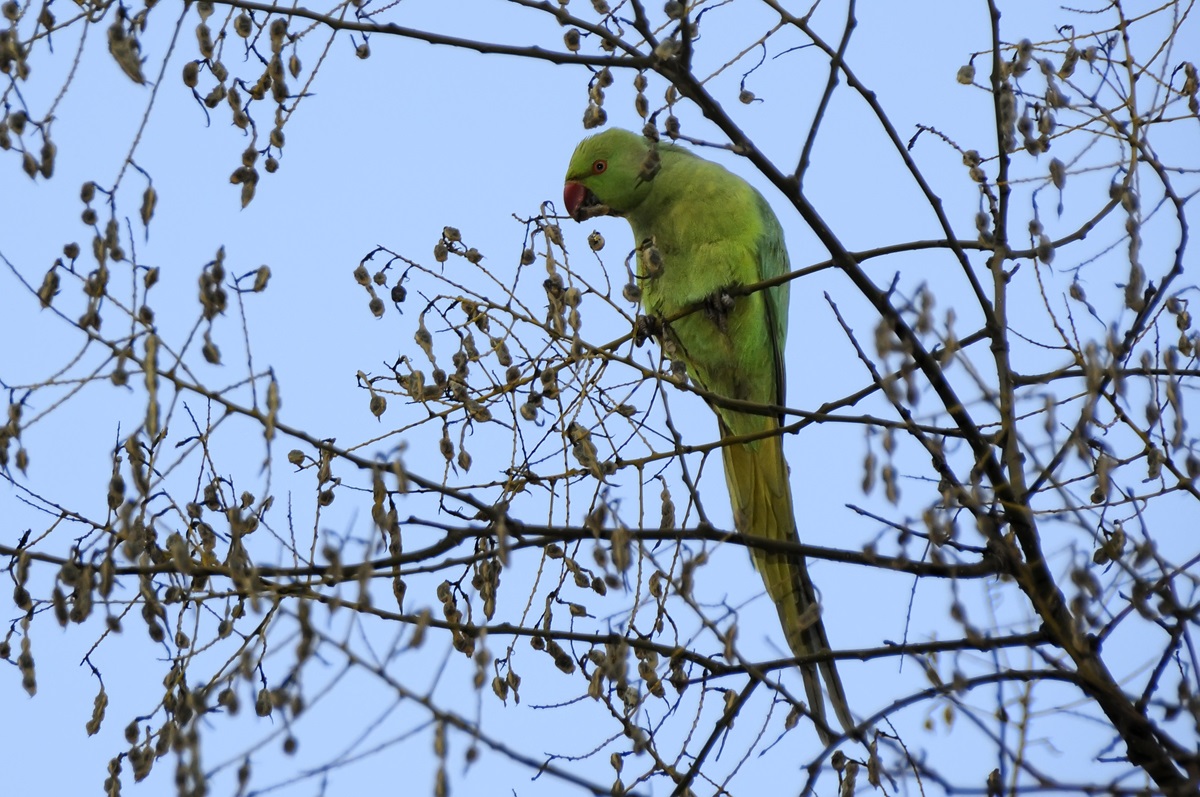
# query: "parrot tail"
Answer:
x=760 y=492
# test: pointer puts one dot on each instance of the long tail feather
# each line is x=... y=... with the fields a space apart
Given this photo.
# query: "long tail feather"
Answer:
x=757 y=476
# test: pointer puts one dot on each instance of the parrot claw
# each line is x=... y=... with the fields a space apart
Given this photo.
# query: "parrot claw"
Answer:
x=645 y=328
x=717 y=306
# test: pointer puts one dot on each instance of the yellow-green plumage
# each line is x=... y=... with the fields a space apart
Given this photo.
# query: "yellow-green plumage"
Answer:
x=713 y=232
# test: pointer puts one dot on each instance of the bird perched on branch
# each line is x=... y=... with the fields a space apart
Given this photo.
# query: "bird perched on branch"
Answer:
x=702 y=232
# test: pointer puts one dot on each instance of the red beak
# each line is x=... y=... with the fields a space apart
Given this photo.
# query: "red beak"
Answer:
x=573 y=196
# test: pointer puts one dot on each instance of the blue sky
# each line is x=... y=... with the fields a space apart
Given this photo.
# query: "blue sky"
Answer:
x=386 y=152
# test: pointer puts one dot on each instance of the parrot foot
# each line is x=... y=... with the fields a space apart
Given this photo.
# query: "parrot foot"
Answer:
x=646 y=327
x=717 y=306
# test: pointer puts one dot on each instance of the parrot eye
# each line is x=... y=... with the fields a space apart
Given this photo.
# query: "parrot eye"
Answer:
x=599 y=166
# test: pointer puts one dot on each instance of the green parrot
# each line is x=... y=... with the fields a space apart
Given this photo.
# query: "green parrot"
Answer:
x=704 y=230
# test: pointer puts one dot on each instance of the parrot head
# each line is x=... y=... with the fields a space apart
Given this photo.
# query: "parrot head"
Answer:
x=604 y=178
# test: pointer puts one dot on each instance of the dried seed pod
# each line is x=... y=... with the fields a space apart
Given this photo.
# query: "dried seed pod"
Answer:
x=149 y=201
x=1020 y=64
x=424 y=339
x=378 y=405
x=1025 y=123
x=97 y=714
x=48 y=153
x=671 y=125
x=204 y=40
x=279 y=90
x=649 y=260
x=1045 y=124
x=550 y=388
x=478 y=412
x=1134 y=297
x=468 y=347
x=641 y=105
x=96 y=284
x=261 y=276
x=503 y=356
x=1055 y=98
x=242 y=122
x=214 y=97
x=278 y=30
x=211 y=353
x=1045 y=249
x=1069 y=60
x=263 y=703
x=26 y=666
x=259 y=89
x=49 y=288
x=594 y=116
x=1058 y=173
x=116 y=490
x=126 y=51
